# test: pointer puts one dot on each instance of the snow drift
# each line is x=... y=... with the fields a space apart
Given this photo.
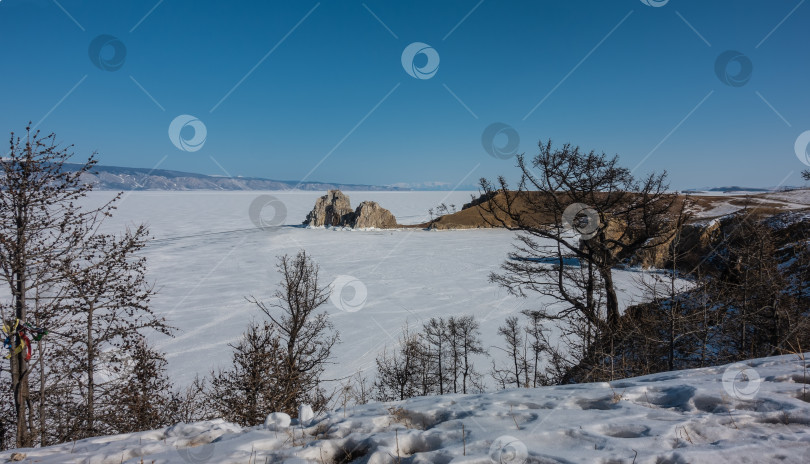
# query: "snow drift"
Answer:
x=754 y=412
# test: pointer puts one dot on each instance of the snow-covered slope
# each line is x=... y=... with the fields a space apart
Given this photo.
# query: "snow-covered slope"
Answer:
x=716 y=204
x=750 y=413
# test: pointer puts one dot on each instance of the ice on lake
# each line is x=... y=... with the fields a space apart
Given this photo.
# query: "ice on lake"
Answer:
x=208 y=256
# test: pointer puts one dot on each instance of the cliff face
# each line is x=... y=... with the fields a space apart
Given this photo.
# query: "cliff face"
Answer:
x=699 y=242
x=693 y=243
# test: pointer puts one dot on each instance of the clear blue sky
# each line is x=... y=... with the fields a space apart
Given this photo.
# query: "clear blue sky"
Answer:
x=616 y=76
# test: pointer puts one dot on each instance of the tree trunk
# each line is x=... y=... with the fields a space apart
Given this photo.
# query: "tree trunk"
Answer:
x=90 y=380
x=611 y=299
x=40 y=352
x=19 y=366
x=42 y=435
x=525 y=363
x=671 y=360
x=441 y=371
x=466 y=370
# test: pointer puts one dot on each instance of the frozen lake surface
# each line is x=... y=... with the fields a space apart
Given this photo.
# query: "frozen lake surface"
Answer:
x=208 y=256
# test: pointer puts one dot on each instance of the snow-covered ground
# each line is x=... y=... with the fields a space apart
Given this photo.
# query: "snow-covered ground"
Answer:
x=725 y=203
x=208 y=256
x=742 y=413
x=799 y=198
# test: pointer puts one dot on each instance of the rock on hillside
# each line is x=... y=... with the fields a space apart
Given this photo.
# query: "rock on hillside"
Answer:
x=334 y=209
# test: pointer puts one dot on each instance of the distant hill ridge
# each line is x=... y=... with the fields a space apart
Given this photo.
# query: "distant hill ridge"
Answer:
x=123 y=178
x=737 y=188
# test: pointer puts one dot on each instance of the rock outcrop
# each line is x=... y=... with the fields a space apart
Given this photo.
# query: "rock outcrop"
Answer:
x=334 y=209
x=371 y=214
x=690 y=248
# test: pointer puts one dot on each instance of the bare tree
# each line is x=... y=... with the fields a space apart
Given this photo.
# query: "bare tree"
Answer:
x=466 y=329
x=307 y=337
x=515 y=343
x=437 y=360
x=569 y=253
x=538 y=344
x=743 y=300
x=666 y=324
x=759 y=302
x=41 y=223
x=356 y=390
x=434 y=333
x=191 y=404
x=107 y=299
x=454 y=351
x=398 y=374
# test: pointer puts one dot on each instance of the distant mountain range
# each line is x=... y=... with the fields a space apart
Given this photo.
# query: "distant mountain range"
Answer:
x=736 y=188
x=121 y=178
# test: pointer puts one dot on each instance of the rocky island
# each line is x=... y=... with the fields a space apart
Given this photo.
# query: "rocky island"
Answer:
x=334 y=209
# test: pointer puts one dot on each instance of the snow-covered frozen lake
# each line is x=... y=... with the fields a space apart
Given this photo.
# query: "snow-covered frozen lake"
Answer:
x=208 y=256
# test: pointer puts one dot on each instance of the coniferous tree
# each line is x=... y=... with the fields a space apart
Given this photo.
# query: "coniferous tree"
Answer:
x=144 y=398
x=252 y=387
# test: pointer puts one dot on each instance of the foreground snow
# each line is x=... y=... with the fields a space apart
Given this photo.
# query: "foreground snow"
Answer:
x=703 y=415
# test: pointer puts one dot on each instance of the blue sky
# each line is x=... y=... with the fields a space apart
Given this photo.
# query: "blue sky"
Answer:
x=317 y=90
